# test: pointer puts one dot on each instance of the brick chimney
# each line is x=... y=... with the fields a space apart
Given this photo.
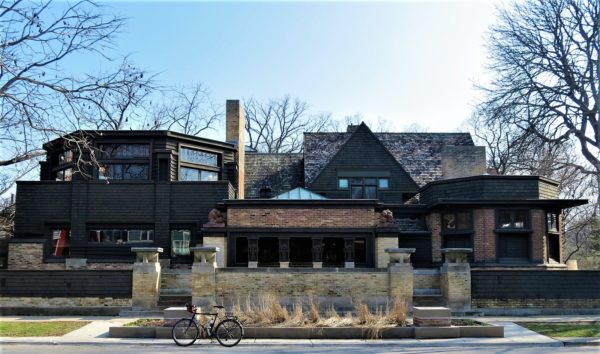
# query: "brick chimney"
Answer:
x=463 y=161
x=235 y=133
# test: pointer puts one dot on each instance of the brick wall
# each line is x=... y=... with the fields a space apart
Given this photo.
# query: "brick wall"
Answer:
x=358 y=285
x=29 y=256
x=484 y=238
x=301 y=217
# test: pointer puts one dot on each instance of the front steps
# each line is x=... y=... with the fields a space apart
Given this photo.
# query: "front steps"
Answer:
x=175 y=287
x=426 y=288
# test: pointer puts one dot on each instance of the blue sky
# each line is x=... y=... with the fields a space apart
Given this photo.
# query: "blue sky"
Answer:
x=406 y=62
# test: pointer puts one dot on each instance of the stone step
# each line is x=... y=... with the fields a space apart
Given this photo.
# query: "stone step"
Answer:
x=433 y=316
x=428 y=300
x=167 y=300
x=419 y=292
x=141 y=313
x=176 y=292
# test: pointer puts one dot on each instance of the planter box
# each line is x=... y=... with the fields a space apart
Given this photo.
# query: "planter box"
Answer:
x=327 y=332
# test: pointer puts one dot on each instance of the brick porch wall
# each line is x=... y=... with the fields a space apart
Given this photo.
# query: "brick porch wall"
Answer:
x=434 y=222
x=538 y=236
x=301 y=217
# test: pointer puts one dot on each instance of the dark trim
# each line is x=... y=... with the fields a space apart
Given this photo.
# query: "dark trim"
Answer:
x=303 y=230
x=561 y=203
x=484 y=177
x=347 y=203
x=513 y=231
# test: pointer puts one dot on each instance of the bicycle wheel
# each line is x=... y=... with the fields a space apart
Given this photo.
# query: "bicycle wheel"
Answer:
x=229 y=332
x=185 y=332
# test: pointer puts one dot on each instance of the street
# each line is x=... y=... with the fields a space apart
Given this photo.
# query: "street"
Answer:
x=347 y=349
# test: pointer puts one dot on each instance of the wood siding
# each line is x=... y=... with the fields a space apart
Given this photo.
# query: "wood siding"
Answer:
x=535 y=284
x=68 y=283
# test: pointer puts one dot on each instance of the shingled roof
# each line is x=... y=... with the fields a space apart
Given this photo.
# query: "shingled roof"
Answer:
x=279 y=172
x=419 y=153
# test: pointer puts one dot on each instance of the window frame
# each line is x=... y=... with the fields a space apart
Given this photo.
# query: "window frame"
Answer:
x=150 y=229
x=105 y=160
x=198 y=166
x=456 y=230
x=557 y=221
x=49 y=254
x=363 y=185
x=527 y=224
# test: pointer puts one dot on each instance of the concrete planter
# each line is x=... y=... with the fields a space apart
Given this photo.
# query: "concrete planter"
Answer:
x=327 y=332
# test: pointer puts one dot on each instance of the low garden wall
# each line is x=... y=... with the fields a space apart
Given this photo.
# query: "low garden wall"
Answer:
x=494 y=290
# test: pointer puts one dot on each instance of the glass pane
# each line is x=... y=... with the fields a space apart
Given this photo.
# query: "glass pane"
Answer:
x=343 y=183
x=65 y=156
x=180 y=242
x=370 y=192
x=384 y=183
x=124 y=151
x=520 y=219
x=504 y=219
x=197 y=156
x=189 y=174
x=552 y=220
x=61 y=242
x=209 y=176
x=370 y=181
x=355 y=181
x=357 y=192
x=449 y=221
x=134 y=235
x=137 y=171
x=464 y=221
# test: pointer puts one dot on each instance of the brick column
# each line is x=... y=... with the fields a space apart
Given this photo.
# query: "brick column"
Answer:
x=382 y=258
x=349 y=253
x=145 y=287
x=203 y=275
x=538 y=236
x=455 y=279
x=317 y=252
x=216 y=237
x=435 y=225
x=401 y=275
x=252 y=252
x=484 y=237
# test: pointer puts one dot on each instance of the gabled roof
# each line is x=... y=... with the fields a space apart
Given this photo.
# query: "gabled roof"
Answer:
x=300 y=194
x=279 y=172
x=420 y=154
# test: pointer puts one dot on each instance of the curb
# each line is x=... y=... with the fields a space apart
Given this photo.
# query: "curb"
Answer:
x=314 y=343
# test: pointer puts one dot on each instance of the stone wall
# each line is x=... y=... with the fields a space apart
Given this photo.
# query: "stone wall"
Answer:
x=22 y=301
x=271 y=217
x=382 y=258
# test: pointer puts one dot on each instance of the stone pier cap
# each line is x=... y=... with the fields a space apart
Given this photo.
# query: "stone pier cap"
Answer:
x=456 y=255
x=205 y=254
x=400 y=255
x=146 y=254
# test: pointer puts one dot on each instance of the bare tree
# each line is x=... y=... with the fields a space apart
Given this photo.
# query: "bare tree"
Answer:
x=545 y=54
x=187 y=110
x=39 y=99
x=277 y=125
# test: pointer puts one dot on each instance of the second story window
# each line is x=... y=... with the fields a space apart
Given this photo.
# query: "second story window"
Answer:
x=124 y=151
x=198 y=165
x=460 y=221
x=64 y=174
x=124 y=161
x=65 y=157
x=123 y=171
x=552 y=221
x=513 y=219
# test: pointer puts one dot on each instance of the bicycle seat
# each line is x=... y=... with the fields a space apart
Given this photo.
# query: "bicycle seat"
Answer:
x=219 y=306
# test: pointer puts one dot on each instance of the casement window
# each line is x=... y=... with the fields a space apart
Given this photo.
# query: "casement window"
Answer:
x=60 y=242
x=513 y=219
x=363 y=187
x=124 y=151
x=459 y=221
x=180 y=242
x=197 y=165
x=198 y=157
x=120 y=236
x=552 y=222
x=65 y=157
x=194 y=174
x=124 y=162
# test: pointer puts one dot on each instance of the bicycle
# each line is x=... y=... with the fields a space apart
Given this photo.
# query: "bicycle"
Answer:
x=228 y=331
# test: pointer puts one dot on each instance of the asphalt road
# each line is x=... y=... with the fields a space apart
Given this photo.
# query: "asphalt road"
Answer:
x=213 y=348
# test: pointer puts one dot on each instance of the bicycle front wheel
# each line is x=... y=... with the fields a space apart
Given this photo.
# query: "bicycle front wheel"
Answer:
x=229 y=332
x=185 y=332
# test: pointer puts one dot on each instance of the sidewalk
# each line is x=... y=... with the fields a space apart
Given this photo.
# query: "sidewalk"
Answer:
x=97 y=333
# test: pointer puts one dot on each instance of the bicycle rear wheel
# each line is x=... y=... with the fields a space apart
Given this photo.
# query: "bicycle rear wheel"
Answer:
x=229 y=332
x=185 y=332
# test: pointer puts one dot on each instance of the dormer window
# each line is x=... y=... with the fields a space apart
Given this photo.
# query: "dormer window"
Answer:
x=363 y=187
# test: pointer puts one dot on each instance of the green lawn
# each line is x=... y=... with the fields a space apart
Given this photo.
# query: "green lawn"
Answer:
x=564 y=329
x=39 y=328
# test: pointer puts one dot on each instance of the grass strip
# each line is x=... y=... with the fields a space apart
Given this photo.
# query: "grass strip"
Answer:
x=39 y=328
x=564 y=329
